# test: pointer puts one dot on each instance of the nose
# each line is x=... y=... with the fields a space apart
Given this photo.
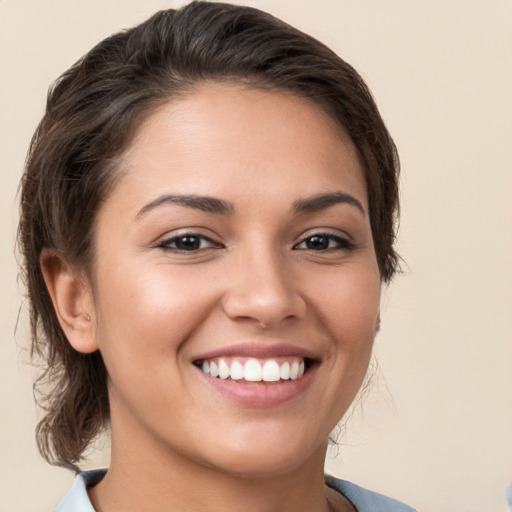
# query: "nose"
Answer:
x=263 y=290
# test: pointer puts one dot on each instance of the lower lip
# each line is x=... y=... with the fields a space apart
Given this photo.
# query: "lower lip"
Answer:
x=260 y=394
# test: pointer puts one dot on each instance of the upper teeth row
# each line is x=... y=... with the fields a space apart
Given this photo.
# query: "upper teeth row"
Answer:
x=253 y=370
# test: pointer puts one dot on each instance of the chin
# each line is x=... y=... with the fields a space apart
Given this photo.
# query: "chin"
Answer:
x=273 y=456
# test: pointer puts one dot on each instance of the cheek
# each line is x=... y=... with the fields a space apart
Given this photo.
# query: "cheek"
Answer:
x=145 y=313
x=349 y=301
x=348 y=306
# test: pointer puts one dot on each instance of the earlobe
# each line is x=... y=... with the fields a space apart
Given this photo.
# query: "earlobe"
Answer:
x=72 y=300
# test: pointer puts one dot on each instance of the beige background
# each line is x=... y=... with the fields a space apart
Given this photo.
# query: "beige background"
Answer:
x=437 y=432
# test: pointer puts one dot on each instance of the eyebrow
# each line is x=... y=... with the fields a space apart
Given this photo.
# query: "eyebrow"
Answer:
x=219 y=206
x=203 y=203
x=322 y=201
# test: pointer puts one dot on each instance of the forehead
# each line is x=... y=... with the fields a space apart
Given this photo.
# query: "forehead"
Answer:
x=239 y=137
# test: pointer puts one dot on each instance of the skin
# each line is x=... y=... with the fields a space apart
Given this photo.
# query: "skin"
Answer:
x=151 y=309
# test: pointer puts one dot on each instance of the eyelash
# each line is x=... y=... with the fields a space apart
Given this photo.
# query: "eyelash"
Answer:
x=341 y=242
x=167 y=243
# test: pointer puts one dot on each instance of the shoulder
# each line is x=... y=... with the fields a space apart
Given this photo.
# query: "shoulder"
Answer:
x=77 y=500
x=365 y=500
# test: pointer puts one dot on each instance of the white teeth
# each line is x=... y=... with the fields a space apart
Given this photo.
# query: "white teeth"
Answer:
x=214 y=371
x=271 y=371
x=294 y=370
x=237 y=370
x=223 y=369
x=285 y=371
x=252 y=371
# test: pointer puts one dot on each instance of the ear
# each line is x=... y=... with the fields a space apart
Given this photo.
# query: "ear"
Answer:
x=72 y=300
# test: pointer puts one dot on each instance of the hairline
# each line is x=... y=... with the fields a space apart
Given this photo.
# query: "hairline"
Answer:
x=117 y=164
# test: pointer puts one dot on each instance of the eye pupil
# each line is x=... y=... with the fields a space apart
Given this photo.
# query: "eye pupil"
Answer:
x=317 y=242
x=188 y=243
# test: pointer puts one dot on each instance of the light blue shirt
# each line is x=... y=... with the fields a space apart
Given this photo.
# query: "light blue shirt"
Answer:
x=77 y=500
x=508 y=496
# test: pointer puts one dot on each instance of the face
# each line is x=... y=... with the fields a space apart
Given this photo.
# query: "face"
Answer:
x=236 y=287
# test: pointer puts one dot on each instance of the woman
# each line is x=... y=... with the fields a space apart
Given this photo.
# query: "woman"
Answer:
x=208 y=215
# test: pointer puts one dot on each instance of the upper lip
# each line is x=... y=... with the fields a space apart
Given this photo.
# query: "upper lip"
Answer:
x=259 y=350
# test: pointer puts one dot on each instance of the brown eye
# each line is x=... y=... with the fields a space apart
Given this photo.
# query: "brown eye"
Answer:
x=317 y=243
x=187 y=243
x=325 y=242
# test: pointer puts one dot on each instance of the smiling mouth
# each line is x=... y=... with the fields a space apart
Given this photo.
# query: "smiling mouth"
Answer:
x=271 y=370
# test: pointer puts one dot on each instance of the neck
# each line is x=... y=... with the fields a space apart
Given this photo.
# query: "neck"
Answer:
x=170 y=482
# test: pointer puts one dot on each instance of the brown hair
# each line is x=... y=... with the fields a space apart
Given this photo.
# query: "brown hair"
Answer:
x=92 y=112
